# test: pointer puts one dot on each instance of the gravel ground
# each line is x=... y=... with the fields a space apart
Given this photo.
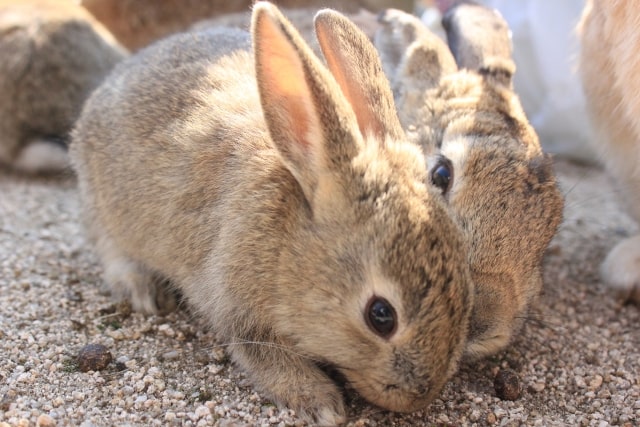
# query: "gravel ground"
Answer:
x=576 y=362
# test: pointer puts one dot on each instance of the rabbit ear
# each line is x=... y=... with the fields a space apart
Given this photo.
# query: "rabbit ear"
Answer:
x=355 y=64
x=480 y=40
x=412 y=55
x=309 y=120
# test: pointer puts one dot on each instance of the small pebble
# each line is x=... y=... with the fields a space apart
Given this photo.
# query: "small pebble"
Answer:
x=491 y=418
x=507 y=385
x=170 y=355
x=94 y=357
x=45 y=420
x=7 y=399
x=537 y=387
x=202 y=357
x=596 y=382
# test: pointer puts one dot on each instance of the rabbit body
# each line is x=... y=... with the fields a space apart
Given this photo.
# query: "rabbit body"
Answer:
x=279 y=209
x=53 y=54
x=457 y=101
x=608 y=66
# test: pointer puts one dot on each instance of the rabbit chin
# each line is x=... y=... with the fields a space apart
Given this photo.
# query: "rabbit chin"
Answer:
x=393 y=396
x=486 y=344
x=500 y=307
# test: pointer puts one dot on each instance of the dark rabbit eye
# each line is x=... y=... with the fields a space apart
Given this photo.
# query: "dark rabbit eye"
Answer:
x=380 y=317
x=442 y=174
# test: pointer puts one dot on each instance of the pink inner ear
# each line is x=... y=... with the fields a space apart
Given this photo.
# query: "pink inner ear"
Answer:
x=284 y=83
x=349 y=85
x=290 y=102
x=355 y=71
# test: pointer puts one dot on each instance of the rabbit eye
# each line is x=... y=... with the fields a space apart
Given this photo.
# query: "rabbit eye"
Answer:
x=442 y=174
x=380 y=316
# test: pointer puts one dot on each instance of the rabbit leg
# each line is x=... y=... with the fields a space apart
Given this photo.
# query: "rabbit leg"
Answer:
x=621 y=269
x=292 y=381
x=43 y=155
x=129 y=279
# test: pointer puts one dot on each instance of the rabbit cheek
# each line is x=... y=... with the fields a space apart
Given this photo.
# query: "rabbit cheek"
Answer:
x=498 y=311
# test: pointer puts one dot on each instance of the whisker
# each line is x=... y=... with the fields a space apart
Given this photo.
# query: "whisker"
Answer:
x=568 y=191
x=268 y=344
x=540 y=322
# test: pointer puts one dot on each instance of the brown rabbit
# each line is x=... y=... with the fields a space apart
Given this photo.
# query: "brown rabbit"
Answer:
x=609 y=67
x=136 y=23
x=285 y=204
x=53 y=54
x=458 y=104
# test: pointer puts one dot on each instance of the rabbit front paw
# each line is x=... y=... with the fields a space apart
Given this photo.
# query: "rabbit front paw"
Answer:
x=320 y=403
x=128 y=279
x=292 y=381
x=621 y=269
x=43 y=155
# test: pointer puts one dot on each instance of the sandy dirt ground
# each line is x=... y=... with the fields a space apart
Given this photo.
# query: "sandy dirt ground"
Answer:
x=577 y=360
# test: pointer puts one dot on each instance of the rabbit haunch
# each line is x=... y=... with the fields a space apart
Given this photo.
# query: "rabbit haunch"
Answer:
x=290 y=213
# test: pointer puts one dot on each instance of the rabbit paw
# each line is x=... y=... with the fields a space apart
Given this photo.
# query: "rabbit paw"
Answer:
x=127 y=279
x=293 y=382
x=621 y=269
x=44 y=155
x=320 y=402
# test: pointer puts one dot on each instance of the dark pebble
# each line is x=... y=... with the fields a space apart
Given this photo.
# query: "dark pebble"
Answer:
x=507 y=385
x=94 y=357
x=7 y=400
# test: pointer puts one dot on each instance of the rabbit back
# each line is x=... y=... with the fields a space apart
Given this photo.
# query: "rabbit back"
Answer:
x=123 y=147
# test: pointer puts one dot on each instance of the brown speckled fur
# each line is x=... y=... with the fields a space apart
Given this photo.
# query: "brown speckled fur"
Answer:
x=504 y=194
x=278 y=210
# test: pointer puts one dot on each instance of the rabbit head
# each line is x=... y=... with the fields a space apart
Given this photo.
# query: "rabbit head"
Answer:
x=459 y=105
x=53 y=55
x=382 y=185
x=284 y=201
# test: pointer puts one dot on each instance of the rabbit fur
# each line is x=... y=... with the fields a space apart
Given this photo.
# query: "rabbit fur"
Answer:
x=609 y=66
x=136 y=23
x=299 y=17
x=53 y=54
x=457 y=101
x=280 y=199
